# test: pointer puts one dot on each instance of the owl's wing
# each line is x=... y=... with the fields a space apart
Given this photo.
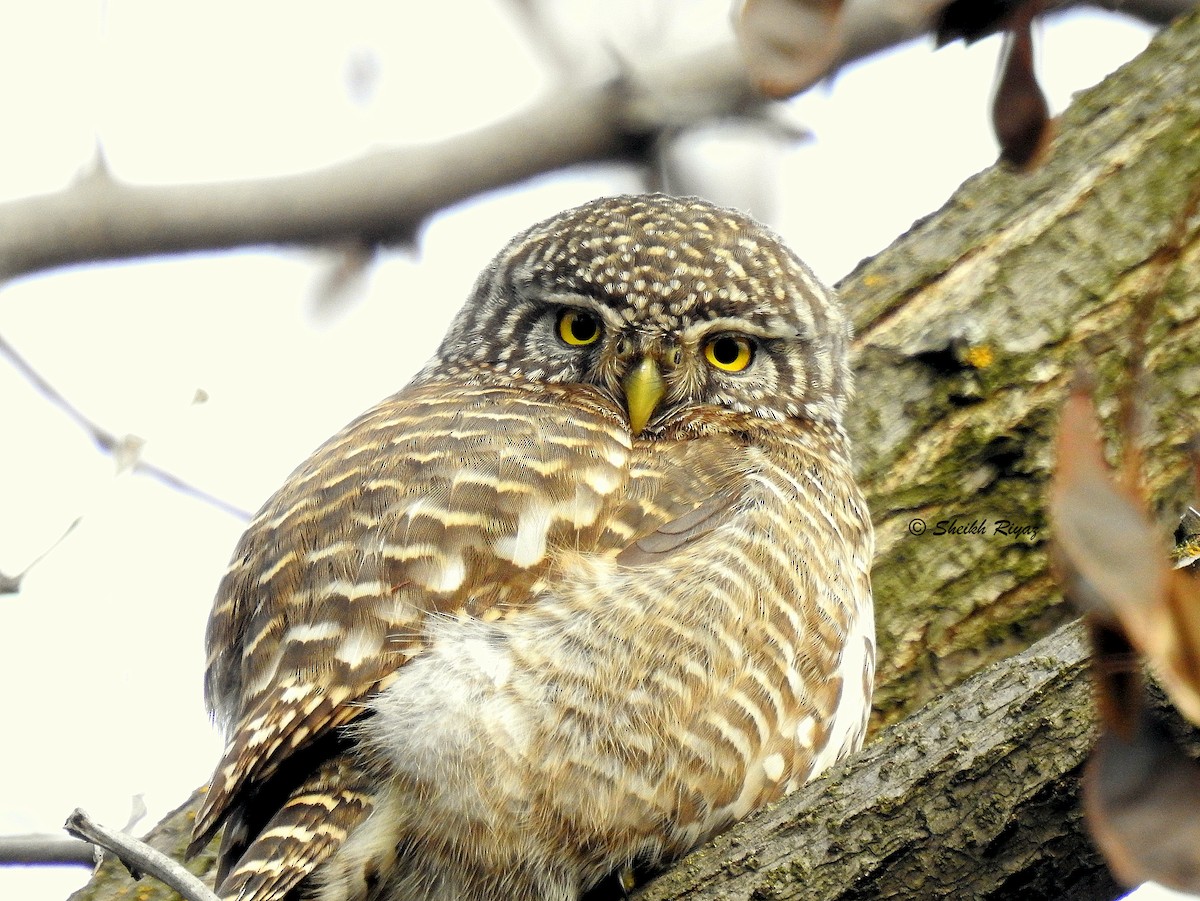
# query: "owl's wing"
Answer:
x=313 y=821
x=445 y=500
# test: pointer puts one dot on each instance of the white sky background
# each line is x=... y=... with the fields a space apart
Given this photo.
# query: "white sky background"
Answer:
x=101 y=652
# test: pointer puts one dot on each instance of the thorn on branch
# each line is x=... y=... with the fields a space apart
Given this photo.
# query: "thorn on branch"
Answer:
x=96 y=172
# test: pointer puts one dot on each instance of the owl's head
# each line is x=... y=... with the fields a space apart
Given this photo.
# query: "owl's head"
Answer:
x=665 y=304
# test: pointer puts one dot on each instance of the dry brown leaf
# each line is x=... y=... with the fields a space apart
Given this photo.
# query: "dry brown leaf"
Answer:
x=1103 y=533
x=1020 y=113
x=1111 y=564
x=1141 y=791
x=1142 y=800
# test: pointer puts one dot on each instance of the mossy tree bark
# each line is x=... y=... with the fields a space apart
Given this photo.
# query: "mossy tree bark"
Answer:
x=969 y=328
x=971 y=325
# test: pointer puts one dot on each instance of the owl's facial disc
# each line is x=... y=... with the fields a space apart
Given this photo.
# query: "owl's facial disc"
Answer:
x=730 y=317
x=644 y=389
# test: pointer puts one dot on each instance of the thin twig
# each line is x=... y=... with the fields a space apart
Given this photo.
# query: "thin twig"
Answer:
x=46 y=850
x=12 y=584
x=106 y=441
x=139 y=857
x=530 y=16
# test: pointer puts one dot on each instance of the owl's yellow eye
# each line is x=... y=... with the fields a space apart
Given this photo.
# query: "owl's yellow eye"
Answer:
x=578 y=327
x=729 y=353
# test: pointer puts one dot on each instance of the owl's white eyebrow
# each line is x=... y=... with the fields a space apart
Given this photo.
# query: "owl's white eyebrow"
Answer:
x=739 y=326
x=582 y=302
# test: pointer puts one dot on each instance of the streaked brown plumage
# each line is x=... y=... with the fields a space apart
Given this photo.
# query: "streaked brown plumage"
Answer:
x=590 y=589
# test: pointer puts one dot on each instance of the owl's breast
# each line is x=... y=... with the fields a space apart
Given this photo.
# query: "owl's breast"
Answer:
x=643 y=706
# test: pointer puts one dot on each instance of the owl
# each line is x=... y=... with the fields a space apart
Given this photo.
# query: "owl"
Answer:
x=591 y=588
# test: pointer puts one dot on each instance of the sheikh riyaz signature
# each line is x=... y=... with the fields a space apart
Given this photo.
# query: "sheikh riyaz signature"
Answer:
x=962 y=527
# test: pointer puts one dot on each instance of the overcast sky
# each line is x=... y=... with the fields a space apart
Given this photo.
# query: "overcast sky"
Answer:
x=102 y=649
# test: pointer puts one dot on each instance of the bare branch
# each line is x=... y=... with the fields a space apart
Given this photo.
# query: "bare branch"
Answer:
x=139 y=857
x=49 y=850
x=385 y=196
x=382 y=197
x=106 y=441
x=872 y=26
x=530 y=16
x=1153 y=12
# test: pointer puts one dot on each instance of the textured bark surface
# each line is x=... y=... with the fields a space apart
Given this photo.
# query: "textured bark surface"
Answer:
x=969 y=329
x=975 y=796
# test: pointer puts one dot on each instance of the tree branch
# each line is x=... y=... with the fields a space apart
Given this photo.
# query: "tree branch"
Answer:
x=969 y=328
x=385 y=196
x=140 y=857
x=990 y=770
x=1154 y=12
x=48 y=850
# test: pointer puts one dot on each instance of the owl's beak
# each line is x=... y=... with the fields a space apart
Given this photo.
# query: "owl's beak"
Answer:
x=643 y=390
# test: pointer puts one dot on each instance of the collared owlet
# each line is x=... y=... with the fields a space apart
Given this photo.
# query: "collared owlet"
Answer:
x=591 y=588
